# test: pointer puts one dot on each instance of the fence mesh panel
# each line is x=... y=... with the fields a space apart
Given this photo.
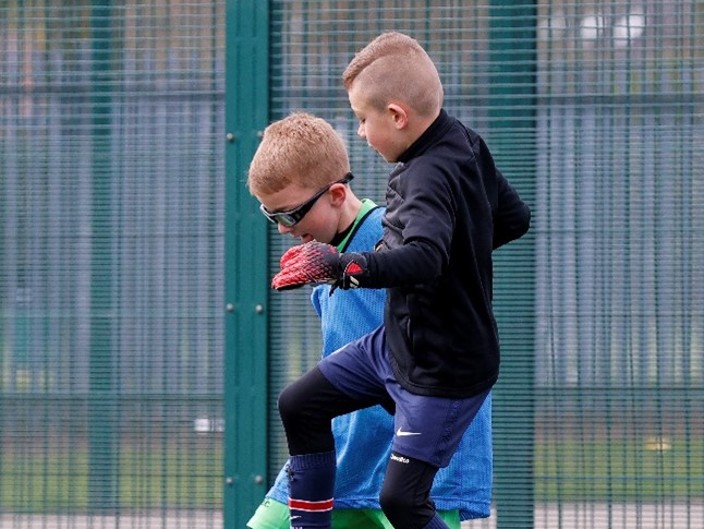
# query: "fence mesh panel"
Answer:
x=110 y=261
x=111 y=248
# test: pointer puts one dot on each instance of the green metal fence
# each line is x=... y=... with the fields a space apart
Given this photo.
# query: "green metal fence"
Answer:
x=140 y=351
x=111 y=258
x=594 y=110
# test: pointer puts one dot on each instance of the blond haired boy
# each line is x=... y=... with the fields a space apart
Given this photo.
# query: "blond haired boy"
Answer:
x=300 y=174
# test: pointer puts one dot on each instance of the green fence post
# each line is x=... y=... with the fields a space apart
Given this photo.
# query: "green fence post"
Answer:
x=101 y=437
x=513 y=85
x=246 y=270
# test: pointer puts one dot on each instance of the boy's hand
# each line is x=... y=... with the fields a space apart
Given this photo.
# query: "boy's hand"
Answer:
x=317 y=262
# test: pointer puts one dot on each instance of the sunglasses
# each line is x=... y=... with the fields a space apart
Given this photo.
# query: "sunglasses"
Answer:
x=293 y=216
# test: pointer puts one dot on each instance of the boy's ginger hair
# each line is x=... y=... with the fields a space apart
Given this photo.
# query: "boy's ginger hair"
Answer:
x=299 y=148
x=395 y=68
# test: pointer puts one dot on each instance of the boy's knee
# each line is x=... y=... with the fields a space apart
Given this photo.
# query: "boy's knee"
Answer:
x=303 y=400
x=405 y=495
x=402 y=511
x=288 y=404
x=393 y=504
x=304 y=408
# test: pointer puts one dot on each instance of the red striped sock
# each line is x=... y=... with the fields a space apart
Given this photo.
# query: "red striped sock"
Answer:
x=311 y=479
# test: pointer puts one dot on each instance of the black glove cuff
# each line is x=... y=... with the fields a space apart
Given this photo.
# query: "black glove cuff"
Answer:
x=353 y=268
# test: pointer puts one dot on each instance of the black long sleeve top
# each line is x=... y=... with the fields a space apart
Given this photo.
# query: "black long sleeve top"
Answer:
x=448 y=207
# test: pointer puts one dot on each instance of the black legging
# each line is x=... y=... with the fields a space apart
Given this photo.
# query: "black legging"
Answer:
x=307 y=407
x=405 y=495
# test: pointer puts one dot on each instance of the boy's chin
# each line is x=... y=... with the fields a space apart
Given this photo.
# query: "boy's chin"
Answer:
x=388 y=159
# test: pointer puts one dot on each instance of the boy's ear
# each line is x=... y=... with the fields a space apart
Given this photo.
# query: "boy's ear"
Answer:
x=398 y=114
x=338 y=193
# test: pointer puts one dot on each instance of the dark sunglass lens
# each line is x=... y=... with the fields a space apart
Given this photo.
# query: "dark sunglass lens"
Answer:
x=286 y=220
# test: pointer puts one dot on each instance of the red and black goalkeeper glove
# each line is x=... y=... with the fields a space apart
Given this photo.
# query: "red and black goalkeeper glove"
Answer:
x=317 y=262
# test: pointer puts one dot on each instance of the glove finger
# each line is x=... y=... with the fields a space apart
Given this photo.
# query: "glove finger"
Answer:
x=289 y=255
x=312 y=251
x=290 y=274
x=288 y=279
x=301 y=272
x=282 y=284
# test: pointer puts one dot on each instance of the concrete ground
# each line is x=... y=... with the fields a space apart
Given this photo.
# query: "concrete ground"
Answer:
x=563 y=516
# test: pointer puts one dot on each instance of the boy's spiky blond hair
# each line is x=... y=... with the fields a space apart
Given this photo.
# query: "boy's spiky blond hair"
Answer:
x=395 y=67
x=299 y=148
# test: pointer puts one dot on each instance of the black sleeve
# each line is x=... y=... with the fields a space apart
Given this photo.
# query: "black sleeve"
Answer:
x=511 y=214
x=416 y=262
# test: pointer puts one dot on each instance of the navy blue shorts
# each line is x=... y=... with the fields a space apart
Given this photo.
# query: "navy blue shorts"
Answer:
x=426 y=428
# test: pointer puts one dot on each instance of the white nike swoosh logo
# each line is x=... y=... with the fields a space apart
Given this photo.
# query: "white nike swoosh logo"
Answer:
x=401 y=433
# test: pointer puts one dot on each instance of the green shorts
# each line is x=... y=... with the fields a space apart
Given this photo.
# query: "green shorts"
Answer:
x=272 y=514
